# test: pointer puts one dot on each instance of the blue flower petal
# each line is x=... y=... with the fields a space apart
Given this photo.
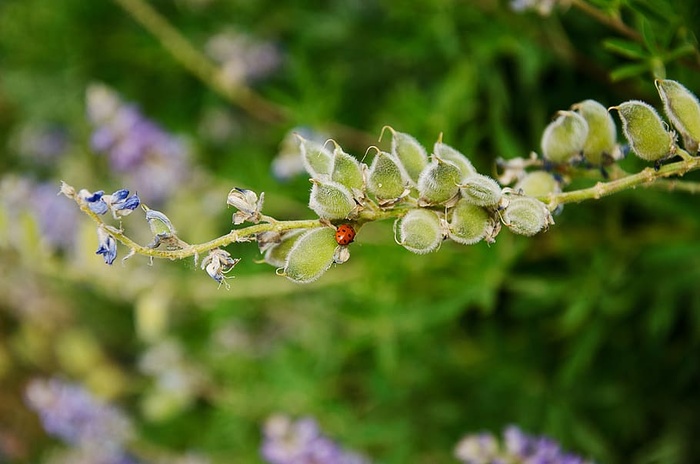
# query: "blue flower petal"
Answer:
x=98 y=207
x=120 y=195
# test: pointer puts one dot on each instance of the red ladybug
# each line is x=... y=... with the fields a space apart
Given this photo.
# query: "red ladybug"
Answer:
x=344 y=234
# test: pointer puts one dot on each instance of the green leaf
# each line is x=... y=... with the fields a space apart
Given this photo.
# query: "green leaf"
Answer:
x=628 y=70
x=625 y=48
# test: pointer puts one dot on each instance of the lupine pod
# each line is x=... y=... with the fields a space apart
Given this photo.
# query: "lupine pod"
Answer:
x=331 y=200
x=410 y=154
x=538 y=184
x=526 y=215
x=447 y=153
x=347 y=170
x=385 y=179
x=683 y=110
x=311 y=255
x=276 y=255
x=645 y=131
x=439 y=182
x=565 y=137
x=601 y=140
x=420 y=231
x=481 y=190
x=318 y=160
x=469 y=223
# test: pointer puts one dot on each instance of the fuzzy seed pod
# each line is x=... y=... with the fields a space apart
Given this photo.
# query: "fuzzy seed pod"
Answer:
x=447 y=153
x=331 y=200
x=538 y=184
x=438 y=183
x=645 y=131
x=683 y=110
x=526 y=216
x=420 y=231
x=385 y=179
x=347 y=171
x=470 y=223
x=311 y=255
x=318 y=160
x=481 y=190
x=276 y=255
x=410 y=154
x=565 y=137
x=601 y=141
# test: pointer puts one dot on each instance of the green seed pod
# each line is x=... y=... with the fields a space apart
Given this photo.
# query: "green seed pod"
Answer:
x=158 y=222
x=526 y=216
x=420 y=231
x=318 y=160
x=311 y=255
x=481 y=190
x=645 y=131
x=447 y=153
x=564 y=137
x=538 y=184
x=601 y=141
x=276 y=255
x=347 y=170
x=331 y=200
x=438 y=183
x=410 y=154
x=385 y=180
x=683 y=110
x=470 y=223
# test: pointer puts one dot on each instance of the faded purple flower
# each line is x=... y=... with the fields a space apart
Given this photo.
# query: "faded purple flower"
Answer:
x=301 y=442
x=242 y=58
x=42 y=142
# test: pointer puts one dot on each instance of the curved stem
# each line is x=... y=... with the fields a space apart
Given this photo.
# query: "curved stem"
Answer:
x=610 y=21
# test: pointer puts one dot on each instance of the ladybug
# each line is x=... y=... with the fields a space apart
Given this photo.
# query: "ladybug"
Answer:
x=344 y=234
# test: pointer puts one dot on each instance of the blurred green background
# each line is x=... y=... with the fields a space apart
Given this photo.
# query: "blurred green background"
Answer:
x=589 y=333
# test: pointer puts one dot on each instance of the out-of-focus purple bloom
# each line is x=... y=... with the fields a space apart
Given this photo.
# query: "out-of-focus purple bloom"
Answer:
x=242 y=58
x=69 y=412
x=42 y=142
x=300 y=442
x=107 y=246
x=153 y=159
x=541 y=7
x=516 y=446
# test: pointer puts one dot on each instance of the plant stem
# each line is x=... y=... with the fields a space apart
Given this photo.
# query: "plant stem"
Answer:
x=612 y=22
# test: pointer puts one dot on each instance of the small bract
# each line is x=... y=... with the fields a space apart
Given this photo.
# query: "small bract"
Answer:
x=438 y=183
x=311 y=255
x=410 y=154
x=683 y=110
x=526 y=216
x=385 y=179
x=601 y=141
x=645 y=131
x=565 y=137
x=331 y=200
x=419 y=231
x=481 y=190
x=470 y=223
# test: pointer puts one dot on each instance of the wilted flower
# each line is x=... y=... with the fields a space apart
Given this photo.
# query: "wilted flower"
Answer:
x=107 y=245
x=217 y=263
x=247 y=203
x=121 y=203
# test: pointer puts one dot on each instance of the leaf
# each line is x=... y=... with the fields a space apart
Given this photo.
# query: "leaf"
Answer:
x=628 y=70
x=625 y=48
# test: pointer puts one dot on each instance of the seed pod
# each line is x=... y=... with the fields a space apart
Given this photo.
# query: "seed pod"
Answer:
x=438 y=183
x=385 y=179
x=683 y=110
x=481 y=190
x=645 y=131
x=311 y=255
x=410 y=154
x=318 y=160
x=564 y=137
x=538 y=184
x=601 y=141
x=526 y=215
x=276 y=255
x=470 y=223
x=347 y=170
x=447 y=153
x=420 y=231
x=331 y=200
x=158 y=222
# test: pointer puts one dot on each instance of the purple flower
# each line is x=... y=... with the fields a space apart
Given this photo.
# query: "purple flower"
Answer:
x=121 y=203
x=107 y=246
x=94 y=201
x=301 y=442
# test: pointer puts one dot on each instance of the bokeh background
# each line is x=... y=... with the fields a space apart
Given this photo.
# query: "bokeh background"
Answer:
x=589 y=333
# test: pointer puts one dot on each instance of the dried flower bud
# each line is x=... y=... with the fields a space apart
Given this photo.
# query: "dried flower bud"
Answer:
x=526 y=215
x=218 y=263
x=311 y=256
x=645 y=131
x=538 y=184
x=276 y=255
x=438 y=183
x=107 y=246
x=601 y=141
x=481 y=190
x=410 y=154
x=318 y=160
x=247 y=203
x=470 y=223
x=447 y=153
x=385 y=179
x=683 y=110
x=331 y=200
x=347 y=171
x=420 y=231
x=564 y=137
